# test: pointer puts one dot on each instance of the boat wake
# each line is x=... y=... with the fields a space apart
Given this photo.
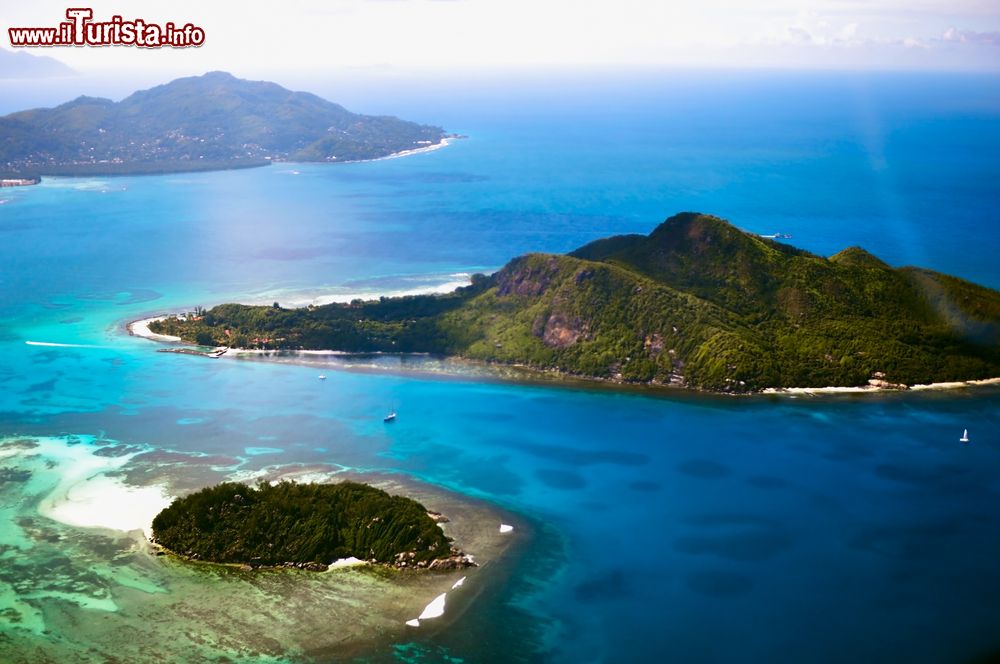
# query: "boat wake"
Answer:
x=52 y=344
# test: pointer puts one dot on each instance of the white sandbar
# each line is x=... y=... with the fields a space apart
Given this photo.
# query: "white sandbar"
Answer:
x=435 y=609
x=105 y=502
x=86 y=494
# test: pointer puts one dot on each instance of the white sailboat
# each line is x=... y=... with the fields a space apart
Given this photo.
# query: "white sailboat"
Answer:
x=965 y=436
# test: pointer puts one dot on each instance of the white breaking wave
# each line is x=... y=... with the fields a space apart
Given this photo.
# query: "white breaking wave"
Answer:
x=428 y=285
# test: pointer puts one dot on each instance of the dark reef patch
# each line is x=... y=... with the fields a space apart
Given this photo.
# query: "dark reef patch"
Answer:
x=577 y=457
x=291 y=253
x=703 y=468
x=922 y=475
x=18 y=475
x=903 y=542
x=746 y=546
x=44 y=386
x=719 y=584
x=610 y=585
x=767 y=482
x=847 y=450
x=560 y=479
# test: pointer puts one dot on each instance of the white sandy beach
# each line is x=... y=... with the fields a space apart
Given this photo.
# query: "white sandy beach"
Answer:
x=826 y=390
x=140 y=328
x=955 y=385
x=874 y=388
x=406 y=153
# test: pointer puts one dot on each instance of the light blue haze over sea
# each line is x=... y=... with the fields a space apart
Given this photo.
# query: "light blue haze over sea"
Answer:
x=667 y=527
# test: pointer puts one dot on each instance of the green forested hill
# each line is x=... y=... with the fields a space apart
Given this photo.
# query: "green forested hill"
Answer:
x=199 y=122
x=697 y=302
x=300 y=523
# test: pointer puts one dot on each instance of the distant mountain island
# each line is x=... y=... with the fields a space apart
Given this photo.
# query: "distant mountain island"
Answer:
x=696 y=303
x=198 y=123
x=20 y=64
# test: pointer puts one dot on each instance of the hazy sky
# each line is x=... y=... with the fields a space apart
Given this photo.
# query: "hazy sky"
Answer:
x=331 y=35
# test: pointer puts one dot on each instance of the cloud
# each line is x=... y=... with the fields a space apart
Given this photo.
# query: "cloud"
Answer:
x=956 y=36
x=336 y=35
x=812 y=31
x=799 y=36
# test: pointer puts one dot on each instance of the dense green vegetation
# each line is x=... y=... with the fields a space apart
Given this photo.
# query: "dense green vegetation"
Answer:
x=697 y=302
x=300 y=523
x=197 y=123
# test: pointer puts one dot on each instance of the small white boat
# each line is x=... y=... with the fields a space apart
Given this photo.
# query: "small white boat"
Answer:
x=965 y=436
x=322 y=377
x=391 y=417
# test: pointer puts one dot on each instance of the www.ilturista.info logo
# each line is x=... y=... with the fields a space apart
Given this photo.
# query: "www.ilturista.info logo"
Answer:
x=81 y=30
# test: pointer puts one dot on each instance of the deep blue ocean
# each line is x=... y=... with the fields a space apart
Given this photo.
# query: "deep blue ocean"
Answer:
x=665 y=527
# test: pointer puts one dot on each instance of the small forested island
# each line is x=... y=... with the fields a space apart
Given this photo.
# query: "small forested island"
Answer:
x=208 y=122
x=307 y=526
x=696 y=303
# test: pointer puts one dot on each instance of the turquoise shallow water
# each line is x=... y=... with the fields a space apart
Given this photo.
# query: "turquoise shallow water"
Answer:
x=682 y=528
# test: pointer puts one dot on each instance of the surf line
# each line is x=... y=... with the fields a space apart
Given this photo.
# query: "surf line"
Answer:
x=52 y=344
